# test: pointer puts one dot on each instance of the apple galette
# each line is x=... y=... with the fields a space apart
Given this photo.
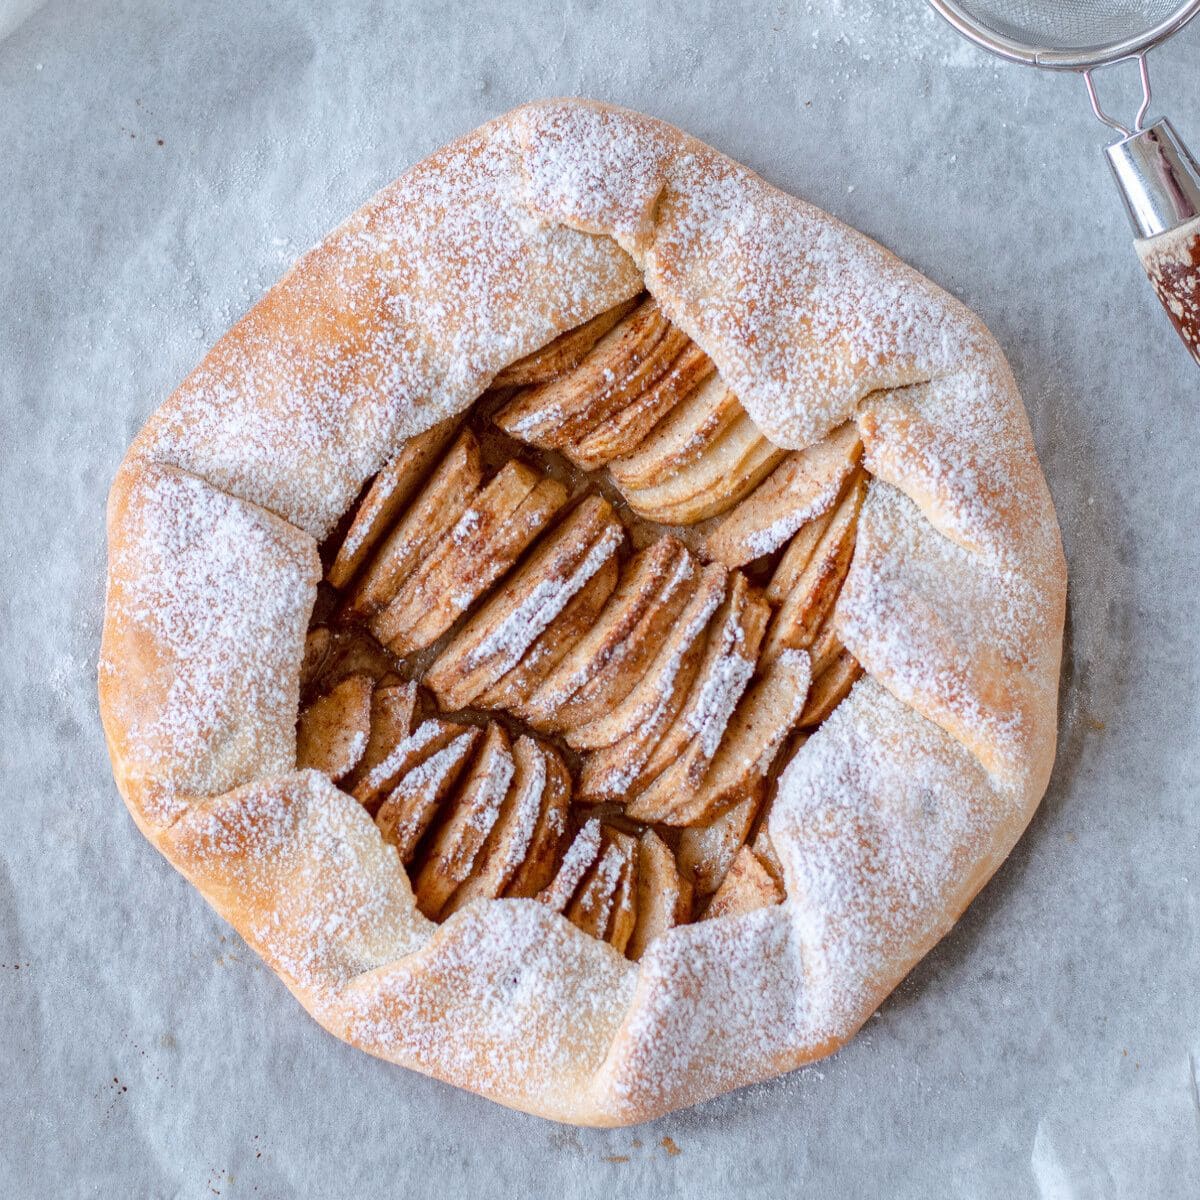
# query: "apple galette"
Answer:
x=592 y=626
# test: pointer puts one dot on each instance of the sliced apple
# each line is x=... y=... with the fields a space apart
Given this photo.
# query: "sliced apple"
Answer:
x=764 y=848
x=725 y=671
x=826 y=647
x=512 y=835
x=624 y=911
x=316 y=650
x=412 y=804
x=701 y=418
x=767 y=714
x=554 y=413
x=581 y=854
x=592 y=906
x=705 y=852
x=628 y=426
x=389 y=492
x=489 y=537
x=606 y=663
x=801 y=615
x=796 y=557
x=391 y=722
x=806 y=484
x=425 y=741
x=496 y=638
x=513 y=689
x=683 y=642
x=564 y=353
x=727 y=470
x=621 y=394
x=455 y=844
x=541 y=858
x=829 y=689
x=436 y=510
x=664 y=897
x=332 y=732
x=352 y=651
x=747 y=886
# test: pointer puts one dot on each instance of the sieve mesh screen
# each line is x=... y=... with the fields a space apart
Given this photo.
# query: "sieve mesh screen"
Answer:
x=1070 y=24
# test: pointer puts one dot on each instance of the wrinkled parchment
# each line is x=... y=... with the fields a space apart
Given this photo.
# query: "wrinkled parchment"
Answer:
x=160 y=165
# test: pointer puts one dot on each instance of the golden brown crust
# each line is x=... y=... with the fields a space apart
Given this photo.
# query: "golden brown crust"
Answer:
x=887 y=821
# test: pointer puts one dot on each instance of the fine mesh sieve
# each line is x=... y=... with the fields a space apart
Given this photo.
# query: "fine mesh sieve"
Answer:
x=1099 y=30
x=1158 y=177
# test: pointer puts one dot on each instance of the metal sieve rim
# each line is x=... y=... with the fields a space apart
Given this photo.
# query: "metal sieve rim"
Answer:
x=1055 y=59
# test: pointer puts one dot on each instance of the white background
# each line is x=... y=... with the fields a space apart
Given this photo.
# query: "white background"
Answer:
x=160 y=165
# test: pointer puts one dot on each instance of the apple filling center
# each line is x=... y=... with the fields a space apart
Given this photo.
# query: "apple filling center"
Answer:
x=566 y=640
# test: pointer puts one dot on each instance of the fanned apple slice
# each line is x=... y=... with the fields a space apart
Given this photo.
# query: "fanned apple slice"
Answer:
x=316 y=650
x=684 y=640
x=592 y=906
x=730 y=653
x=826 y=647
x=701 y=418
x=353 y=651
x=829 y=689
x=436 y=510
x=456 y=843
x=705 y=852
x=412 y=804
x=796 y=557
x=624 y=912
x=391 y=722
x=495 y=639
x=664 y=896
x=489 y=537
x=512 y=835
x=767 y=714
x=541 y=858
x=332 y=732
x=627 y=427
x=606 y=662
x=764 y=848
x=799 y=619
x=581 y=854
x=747 y=886
x=564 y=353
x=513 y=689
x=554 y=413
x=806 y=484
x=727 y=470
x=620 y=394
x=426 y=740
x=389 y=492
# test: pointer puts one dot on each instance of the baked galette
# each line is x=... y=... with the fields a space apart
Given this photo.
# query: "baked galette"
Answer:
x=592 y=626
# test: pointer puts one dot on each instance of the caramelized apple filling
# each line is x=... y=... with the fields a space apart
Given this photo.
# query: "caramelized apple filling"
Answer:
x=566 y=641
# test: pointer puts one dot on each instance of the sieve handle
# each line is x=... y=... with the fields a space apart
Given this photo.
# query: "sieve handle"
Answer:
x=1160 y=183
x=1172 y=262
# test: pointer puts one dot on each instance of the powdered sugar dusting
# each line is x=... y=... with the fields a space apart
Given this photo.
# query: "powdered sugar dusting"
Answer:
x=980 y=667
x=527 y=805
x=721 y=688
x=208 y=603
x=420 y=737
x=887 y=819
x=529 y=619
x=882 y=822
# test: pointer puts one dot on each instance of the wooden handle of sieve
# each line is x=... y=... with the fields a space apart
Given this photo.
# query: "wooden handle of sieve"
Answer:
x=1172 y=263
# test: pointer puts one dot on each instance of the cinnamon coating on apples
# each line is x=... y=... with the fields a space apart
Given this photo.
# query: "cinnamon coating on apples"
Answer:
x=567 y=640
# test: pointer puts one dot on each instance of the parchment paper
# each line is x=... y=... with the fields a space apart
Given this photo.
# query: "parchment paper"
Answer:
x=159 y=167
